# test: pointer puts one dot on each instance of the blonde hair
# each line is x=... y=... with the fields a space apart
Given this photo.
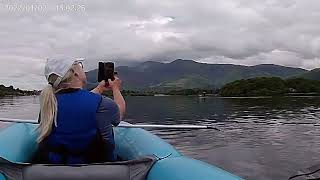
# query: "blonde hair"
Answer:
x=49 y=104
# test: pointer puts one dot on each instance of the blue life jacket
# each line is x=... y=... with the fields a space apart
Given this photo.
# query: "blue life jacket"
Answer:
x=76 y=138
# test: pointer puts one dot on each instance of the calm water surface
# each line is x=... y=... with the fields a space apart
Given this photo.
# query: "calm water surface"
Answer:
x=260 y=138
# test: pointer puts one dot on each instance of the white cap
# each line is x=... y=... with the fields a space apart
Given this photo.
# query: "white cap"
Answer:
x=59 y=67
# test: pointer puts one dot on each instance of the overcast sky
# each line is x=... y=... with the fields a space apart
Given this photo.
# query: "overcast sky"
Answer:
x=248 y=32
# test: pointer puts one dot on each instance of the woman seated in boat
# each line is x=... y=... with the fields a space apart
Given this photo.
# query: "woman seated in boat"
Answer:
x=76 y=124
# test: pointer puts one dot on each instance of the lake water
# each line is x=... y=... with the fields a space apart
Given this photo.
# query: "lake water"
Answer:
x=260 y=138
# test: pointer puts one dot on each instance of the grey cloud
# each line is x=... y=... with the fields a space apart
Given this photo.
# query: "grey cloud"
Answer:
x=247 y=32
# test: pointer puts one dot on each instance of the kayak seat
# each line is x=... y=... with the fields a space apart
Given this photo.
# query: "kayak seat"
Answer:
x=123 y=170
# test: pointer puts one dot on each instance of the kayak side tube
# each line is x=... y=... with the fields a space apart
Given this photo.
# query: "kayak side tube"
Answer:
x=132 y=143
x=183 y=168
x=18 y=144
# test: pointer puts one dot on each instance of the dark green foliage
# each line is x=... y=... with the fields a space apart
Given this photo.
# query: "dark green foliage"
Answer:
x=131 y=93
x=261 y=86
x=300 y=85
x=270 y=86
x=137 y=93
x=10 y=91
x=188 y=92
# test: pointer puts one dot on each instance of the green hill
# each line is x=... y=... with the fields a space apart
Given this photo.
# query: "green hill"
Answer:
x=270 y=86
x=188 y=74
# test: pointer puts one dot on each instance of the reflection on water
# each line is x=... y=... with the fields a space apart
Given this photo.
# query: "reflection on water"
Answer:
x=26 y=107
x=261 y=138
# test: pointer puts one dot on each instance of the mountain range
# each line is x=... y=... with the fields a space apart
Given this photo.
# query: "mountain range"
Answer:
x=188 y=74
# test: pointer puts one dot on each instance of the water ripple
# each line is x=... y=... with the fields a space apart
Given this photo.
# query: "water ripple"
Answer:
x=261 y=138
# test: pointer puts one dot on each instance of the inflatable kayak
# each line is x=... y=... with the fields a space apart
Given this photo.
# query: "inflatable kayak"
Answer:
x=144 y=155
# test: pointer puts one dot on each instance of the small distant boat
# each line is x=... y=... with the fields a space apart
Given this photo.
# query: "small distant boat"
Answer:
x=18 y=145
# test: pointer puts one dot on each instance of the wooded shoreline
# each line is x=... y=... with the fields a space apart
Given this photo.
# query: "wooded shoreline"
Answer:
x=254 y=87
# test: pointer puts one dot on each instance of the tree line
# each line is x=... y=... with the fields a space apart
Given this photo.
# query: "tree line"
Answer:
x=260 y=86
x=270 y=86
x=11 y=91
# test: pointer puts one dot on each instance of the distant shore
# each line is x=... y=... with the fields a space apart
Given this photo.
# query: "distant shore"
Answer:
x=271 y=86
x=254 y=87
x=11 y=91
